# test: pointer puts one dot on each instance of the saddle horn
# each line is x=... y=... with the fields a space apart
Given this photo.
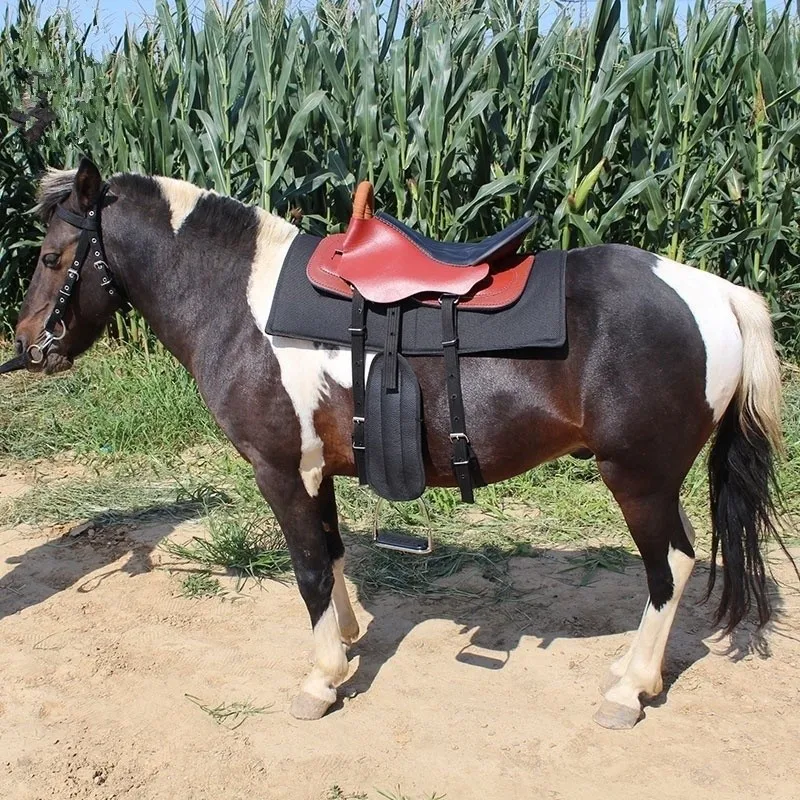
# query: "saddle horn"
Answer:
x=364 y=201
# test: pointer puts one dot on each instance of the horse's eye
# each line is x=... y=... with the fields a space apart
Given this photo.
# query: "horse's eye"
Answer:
x=50 y=260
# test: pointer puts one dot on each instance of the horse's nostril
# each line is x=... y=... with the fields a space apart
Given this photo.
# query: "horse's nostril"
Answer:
x=20 y=345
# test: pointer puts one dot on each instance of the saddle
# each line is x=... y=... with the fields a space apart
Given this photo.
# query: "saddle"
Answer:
x=380 y=261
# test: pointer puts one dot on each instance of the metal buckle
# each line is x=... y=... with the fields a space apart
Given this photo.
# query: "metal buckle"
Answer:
x=357 y=331
x=455 y=436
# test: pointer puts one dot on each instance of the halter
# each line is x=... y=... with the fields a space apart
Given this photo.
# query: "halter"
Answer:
x=90 y=245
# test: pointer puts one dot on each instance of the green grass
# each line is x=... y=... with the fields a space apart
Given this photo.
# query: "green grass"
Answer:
x=200 y=584
x=229 y=715
x=337 y=793
x=121 y=400
x=185 y=469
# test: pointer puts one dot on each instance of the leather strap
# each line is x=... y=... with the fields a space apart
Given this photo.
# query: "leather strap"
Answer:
x=88 y=222
x=90 y=245
x=73 y=273
x=358 y=338
x=462 y=451
x=391 y=348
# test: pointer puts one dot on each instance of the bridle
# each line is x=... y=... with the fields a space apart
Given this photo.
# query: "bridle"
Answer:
x=89 y=248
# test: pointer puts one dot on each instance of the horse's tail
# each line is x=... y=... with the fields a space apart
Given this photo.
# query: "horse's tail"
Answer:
x=741 y=469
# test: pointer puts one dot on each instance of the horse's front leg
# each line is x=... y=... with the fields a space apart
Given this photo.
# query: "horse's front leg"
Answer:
x=302 y=520
x=348 y=624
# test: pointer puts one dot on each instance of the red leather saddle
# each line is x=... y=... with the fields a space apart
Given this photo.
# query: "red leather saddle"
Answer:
x=388 y=262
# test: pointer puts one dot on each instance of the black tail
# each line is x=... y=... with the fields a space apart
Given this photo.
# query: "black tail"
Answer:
x=743 y=491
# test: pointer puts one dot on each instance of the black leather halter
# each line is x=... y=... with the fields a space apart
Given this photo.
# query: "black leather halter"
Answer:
x=90 y=247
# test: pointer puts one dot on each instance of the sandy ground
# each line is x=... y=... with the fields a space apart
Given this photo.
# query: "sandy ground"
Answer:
x=468 y=699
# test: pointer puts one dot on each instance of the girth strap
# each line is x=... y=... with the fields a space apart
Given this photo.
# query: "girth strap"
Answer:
x=462 y=451
x=391 y=348
x=358 y=337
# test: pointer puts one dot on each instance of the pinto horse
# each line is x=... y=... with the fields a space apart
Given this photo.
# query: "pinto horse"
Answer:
x=660 y=356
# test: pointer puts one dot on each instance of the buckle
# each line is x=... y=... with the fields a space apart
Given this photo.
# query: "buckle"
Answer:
x=455 y=436
x=357 y=331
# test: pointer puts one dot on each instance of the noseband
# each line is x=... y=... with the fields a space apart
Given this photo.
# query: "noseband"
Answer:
x=90 y=247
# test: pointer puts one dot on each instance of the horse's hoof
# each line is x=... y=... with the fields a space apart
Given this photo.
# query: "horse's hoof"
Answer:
x=617 y=717
x=306 y=706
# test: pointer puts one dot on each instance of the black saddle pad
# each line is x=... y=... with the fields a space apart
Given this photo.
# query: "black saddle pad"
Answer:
x=537 y=319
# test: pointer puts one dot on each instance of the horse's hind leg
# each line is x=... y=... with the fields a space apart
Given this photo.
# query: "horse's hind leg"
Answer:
x=664 y=537
x=348 y=624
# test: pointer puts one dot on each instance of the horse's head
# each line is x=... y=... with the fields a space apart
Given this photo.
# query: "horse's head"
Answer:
x=71 y=295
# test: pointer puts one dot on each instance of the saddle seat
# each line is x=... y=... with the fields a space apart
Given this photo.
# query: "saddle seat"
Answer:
x=387 y=262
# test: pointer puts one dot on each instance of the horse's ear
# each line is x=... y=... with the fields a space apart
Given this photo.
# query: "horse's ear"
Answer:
x=88 y=185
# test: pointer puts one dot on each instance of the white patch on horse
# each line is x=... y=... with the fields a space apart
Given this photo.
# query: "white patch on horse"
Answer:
x=182 y=198
x=306 y=367
x=330 y=659
x=708 y=298
x=639 y=670
x=348 y=624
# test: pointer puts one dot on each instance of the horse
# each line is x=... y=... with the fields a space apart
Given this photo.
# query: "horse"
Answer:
x=660 y=357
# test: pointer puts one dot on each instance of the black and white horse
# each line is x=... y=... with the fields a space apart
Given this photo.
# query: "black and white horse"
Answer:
x=660 y=356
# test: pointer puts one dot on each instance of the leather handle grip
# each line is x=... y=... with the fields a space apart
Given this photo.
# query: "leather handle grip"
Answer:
x=364 y=201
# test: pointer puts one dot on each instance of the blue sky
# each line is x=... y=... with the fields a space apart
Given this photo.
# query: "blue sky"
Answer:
x=114 y=13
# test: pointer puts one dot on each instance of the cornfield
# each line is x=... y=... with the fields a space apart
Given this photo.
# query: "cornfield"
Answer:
x=681 y=137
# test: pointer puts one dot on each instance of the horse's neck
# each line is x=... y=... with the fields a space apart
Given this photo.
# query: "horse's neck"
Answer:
x=193 y=289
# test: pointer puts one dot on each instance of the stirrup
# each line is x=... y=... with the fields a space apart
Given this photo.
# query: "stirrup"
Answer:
x=402 y=542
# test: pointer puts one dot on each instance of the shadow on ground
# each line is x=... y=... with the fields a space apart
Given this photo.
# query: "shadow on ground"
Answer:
x=49 y=568
x=497 y=597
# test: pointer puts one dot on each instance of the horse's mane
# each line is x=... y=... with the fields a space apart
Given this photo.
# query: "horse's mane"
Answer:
x=54 y=187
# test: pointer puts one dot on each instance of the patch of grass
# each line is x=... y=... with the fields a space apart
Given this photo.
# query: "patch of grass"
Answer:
x=200 y=584
x=253 y=549
x=109 y=499
x=613 y=559
x=229 y=715
x=337 y=793
x=150 y=450
x=117 y=399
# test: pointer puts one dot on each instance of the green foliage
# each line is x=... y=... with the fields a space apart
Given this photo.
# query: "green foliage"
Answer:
x=125 y=401
x=678 y=137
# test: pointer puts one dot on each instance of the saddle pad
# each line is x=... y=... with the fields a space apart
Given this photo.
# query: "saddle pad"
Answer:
x=537 y=320
x=393 y=433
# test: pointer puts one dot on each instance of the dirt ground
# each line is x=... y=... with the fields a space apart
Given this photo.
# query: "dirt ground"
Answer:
x=100 y=657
